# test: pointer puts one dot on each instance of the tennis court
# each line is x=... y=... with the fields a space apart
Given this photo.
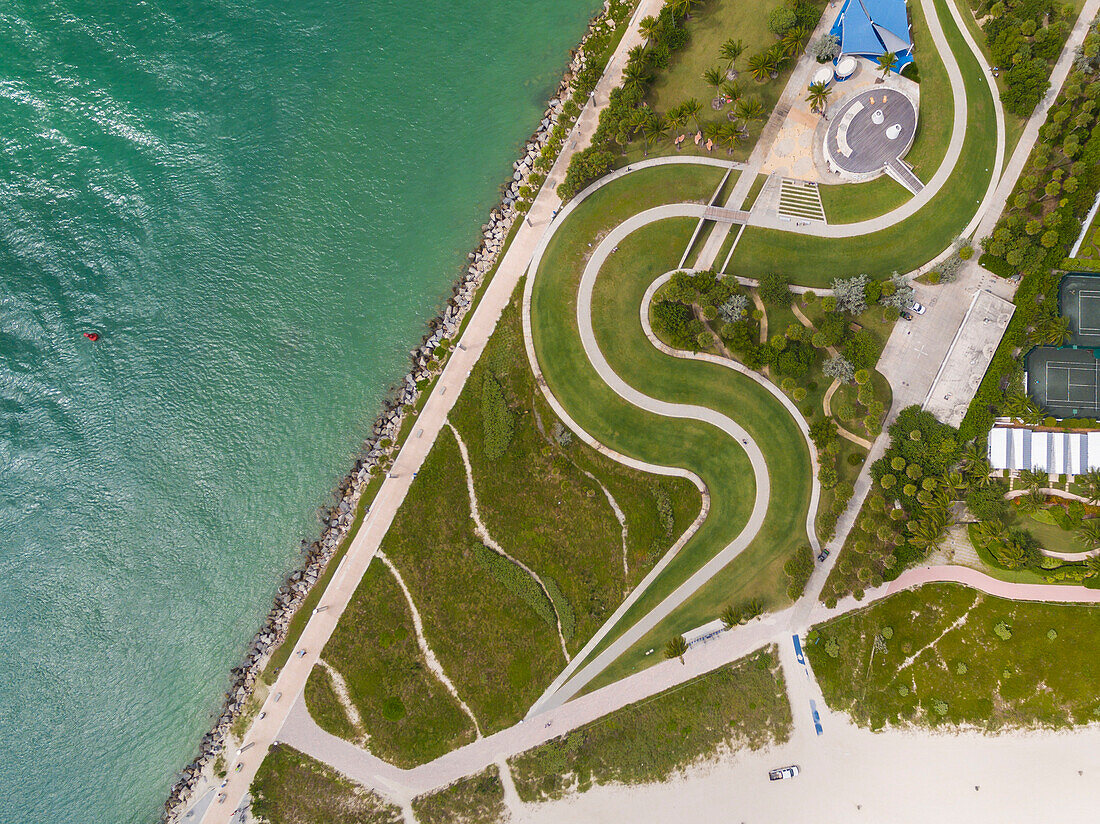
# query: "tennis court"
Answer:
x=1079 y=300
x=1065 y=382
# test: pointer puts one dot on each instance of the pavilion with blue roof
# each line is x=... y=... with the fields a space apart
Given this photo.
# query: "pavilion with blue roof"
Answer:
x=870 y=28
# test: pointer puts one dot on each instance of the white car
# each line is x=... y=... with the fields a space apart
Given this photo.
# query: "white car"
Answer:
x=783 y=772
x=917 y=309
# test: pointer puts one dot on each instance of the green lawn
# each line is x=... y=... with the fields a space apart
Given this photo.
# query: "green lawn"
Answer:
x=292 y=788
x=408 y=714
x=1090 y=246
x=936 y=118
x=814 y=261
x=1041 y=674
x=743 y=704
x=721 y=463
x=853 y=202
x=478 y=799
x=710 y=25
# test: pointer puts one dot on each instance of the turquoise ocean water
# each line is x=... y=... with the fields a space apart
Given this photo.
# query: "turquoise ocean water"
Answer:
x=257 y=205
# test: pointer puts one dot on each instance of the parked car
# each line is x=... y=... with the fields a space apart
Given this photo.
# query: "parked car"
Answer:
x=783 y=772
x=918 y=309
x=823 y=555
x=905 y=315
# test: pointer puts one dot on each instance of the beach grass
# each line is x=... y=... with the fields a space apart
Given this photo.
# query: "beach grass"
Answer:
x=743 y=704
x=814 y=261
x=957 y=657
x=292 y=788
x=408 y=714
x=478 y=799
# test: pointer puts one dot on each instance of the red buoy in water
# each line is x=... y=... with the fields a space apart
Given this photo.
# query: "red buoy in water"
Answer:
x=92 y=336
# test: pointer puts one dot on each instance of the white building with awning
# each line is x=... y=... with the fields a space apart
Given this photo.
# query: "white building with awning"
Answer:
x=1054 y=452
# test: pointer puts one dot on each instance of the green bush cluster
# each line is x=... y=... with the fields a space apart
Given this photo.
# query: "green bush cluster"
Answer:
x=516 y=581
x=798 y=571
x=1024 y=37
x=497 y=419
x=1039 y=225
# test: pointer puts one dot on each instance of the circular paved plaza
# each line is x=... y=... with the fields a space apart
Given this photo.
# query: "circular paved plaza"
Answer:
x=869 y=129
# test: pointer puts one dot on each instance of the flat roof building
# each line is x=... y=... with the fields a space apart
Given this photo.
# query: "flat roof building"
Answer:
x=1057 y=453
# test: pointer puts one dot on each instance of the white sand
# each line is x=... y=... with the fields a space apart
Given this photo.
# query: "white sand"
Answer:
x=850 y=775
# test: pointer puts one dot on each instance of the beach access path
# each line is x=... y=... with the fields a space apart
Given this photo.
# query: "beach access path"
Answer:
x=425 y=428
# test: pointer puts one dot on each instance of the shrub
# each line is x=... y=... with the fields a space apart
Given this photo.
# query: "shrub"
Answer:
x=1002 y=630
x=497 y=420
x=798 y=570
x=775 y=290
x=780 y=20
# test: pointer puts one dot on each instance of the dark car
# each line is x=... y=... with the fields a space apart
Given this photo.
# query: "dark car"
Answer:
x=823 y=555
x=905 y=315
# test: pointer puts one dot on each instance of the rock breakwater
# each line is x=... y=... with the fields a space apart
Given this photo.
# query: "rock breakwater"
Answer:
x=379 y=451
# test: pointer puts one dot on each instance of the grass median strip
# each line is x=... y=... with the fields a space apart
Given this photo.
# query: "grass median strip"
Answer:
x=743 y=704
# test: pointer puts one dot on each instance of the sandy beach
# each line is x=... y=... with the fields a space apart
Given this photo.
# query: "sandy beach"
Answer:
x=850 y=775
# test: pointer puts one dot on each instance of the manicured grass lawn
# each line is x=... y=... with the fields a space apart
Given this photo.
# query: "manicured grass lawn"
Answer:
x=853 y=202
x=710 y=25
x=814 y=261
x=683 y=443
x=970 y=676
x=292 y=788
x=936 y=117
x=743 y=704
x=478 y=799
x=409 y=716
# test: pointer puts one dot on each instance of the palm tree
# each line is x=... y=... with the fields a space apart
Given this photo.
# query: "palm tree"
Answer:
x=677 y=117
x=1032 y=502
x=730 y=51
x=792 y=40
x=760 y=66
x=1091 y=481
x=1052 y=331
x=927 y=533
x=750 y=109
x=729 y=135
x=886 y=62
x=1089 y=533
x=990 y=531
x=693 y=109
x=635 y=79
x=1093 y=564
x=957 y=481
x=653 y=128
x=682 y=8
x=777 y=60
x=714 y=77
x=1034 y=478
x=648 y=27
x=818 y=98
x=733 y=90
x=676 y=647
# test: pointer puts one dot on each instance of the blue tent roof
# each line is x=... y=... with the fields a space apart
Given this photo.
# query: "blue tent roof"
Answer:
x=873 y=27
